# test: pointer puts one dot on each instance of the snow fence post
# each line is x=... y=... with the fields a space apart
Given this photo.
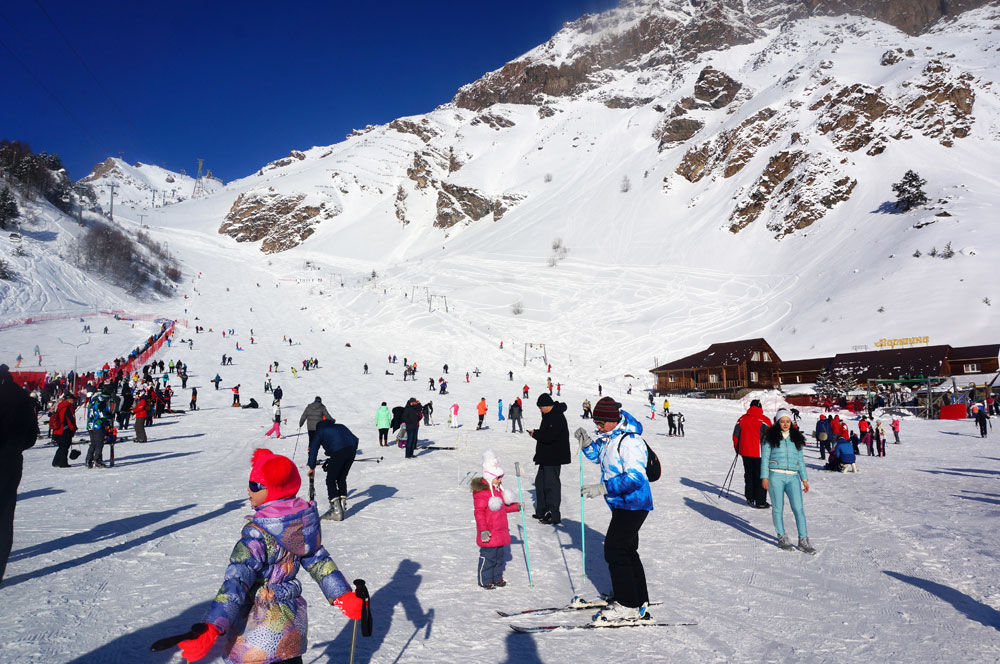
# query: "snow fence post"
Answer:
x=524 y=528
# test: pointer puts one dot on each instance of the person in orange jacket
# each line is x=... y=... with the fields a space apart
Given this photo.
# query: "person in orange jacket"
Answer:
x=63 y=425
x=747 y=434
x=481 y=408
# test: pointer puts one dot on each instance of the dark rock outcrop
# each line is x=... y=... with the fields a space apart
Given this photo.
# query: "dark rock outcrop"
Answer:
x=281 y=221
x=715 y=88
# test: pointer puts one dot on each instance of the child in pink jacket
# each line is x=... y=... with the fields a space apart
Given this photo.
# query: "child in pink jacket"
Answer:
x=492 y=504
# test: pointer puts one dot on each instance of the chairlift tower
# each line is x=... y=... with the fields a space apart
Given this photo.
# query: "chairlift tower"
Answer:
x=199 y=186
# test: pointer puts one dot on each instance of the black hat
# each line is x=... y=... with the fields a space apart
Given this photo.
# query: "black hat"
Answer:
x=544 y=400
x=607 y=410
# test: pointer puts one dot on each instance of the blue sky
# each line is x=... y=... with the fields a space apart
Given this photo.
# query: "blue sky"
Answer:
x=241 y=84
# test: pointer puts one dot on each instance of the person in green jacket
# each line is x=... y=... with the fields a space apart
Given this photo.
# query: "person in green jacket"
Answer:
x=383 y=419
x=782 y=467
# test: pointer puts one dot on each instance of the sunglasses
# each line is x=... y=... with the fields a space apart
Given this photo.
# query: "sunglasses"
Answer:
x=257 y=486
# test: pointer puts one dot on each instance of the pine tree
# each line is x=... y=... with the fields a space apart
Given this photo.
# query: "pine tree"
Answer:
x=910 y=191
x=8 y=208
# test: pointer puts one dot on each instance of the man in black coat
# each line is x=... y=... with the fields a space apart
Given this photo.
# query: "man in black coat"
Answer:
x=551 y=452
x=412 y=415
x=18 y=431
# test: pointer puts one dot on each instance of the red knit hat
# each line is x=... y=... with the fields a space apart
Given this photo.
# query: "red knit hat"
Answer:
x=275 y=472
x=607 y=410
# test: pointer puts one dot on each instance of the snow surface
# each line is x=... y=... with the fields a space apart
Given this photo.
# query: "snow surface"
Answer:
x=105 y=562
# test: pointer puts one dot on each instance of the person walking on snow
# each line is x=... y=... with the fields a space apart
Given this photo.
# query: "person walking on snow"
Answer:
x=260 y=605
x=621 y=452
x=412 y=415
x=551 y=452
x=236 y=395
x=491 y=504
x=312 y=415
x=782 y=467
x=499 y=410
x=514 y=414
x=194 y=399
x=276 y=420
x=383 y=419
x=747 y=434
x=18 y=432
x=216 y=380
x=453 y=416
x=524 y=391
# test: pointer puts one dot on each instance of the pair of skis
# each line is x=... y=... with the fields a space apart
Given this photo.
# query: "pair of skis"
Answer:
x=579 y=604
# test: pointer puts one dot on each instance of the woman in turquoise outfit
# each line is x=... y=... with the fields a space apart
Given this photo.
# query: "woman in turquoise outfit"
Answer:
x=782 y=467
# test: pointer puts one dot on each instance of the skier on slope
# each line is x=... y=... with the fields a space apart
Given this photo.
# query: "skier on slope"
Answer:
x=341 y=446
x=747 y=435
x=621 y=453
x=312 y=415
x=260 y=605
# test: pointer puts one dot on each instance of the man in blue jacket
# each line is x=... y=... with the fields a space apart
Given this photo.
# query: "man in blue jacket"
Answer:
x=824 y=434
x=341 y=446
x=621 y=453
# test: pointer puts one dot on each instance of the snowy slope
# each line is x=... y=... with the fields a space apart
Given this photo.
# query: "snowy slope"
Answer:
x=397 y=198
x=105 y=562
x=143 y=185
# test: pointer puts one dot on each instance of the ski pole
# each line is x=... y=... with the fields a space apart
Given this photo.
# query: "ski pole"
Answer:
x=524 y=528
x=729 y=476
x=297 y=436
x=361 y=590
x=583 y=530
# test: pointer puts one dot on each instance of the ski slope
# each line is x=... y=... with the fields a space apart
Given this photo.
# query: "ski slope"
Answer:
x=105 y=562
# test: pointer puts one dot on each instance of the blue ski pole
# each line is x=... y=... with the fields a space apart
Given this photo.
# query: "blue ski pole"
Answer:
x=583 y=530
x=524 y=528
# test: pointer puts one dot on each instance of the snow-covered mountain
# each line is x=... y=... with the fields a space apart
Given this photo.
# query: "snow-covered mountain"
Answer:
x=716 y=169
x=145 y=185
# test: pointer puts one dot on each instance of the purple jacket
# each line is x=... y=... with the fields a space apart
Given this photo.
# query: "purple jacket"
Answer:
x=260 y=607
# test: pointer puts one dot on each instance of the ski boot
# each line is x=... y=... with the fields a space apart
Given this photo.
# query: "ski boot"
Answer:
x=805 y=546
x=785 y=543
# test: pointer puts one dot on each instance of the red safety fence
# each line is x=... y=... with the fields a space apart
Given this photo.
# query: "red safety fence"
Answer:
x=953 y=411
x=30 y=380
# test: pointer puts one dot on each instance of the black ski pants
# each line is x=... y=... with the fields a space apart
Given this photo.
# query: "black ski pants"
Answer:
x=621 y=552
x=516 y=421
x=337 y=468
x=480 y=424
x=95 y=453
x=383 y=437
x=11 y=466
x=824 y=448
x=548 y=492
x=63 y=440
x=752 y=488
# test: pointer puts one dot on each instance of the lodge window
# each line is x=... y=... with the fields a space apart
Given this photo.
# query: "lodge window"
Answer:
x=971 y=368
x=767 y=356
x=753 y=376
x=672 y=378
x=713 y=378
x=798 y=379
x=755 y=357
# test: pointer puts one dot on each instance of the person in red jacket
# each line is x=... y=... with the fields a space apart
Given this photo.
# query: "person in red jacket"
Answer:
x=141 y=412
x=63 y=425
x=747 y=434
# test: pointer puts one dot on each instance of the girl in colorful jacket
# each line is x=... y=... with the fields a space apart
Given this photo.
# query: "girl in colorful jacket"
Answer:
x=260 y=607
x=782 y=466
x=492 y=503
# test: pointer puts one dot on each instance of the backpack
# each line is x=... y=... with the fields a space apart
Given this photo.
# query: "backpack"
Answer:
x=653 y=468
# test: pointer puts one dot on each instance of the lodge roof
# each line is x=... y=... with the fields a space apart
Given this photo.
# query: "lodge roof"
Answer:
x=966 y=353
x=724 y=354
x=799 y=366
x=892 y=363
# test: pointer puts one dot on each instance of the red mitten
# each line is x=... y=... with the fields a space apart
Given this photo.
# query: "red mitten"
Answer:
x=350 y=605
x=194 y=649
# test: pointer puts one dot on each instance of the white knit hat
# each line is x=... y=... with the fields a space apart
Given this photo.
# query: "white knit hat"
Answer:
x=783 y=412
x=491 y=465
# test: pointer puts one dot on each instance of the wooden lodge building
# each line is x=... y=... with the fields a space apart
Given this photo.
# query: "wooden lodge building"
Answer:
x=723 y=369
x=733 y=368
